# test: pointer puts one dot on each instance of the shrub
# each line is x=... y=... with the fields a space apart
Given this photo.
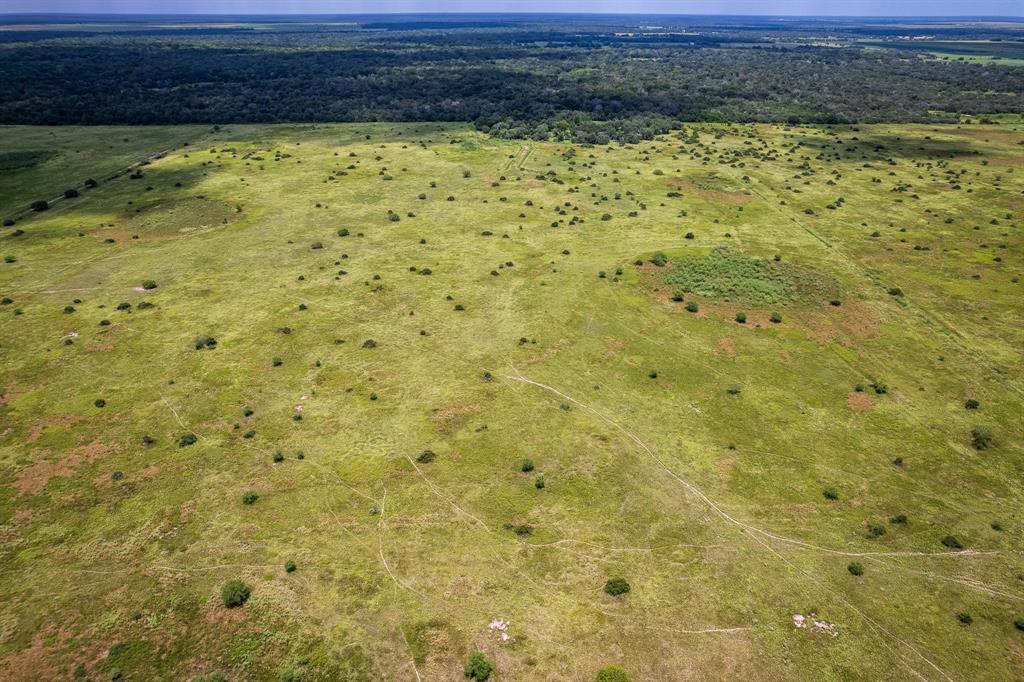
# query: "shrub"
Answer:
x=741 y=318
x=692 y=306
x=951 y=542
x=277 y=362
x=616 y=586
x=205 y=342
x=235 y=593
x=690 y=235
x=478 y=667
x=855 y=568
x=734 y=389
x=70 y=193
x=659 y=259
x=653 y=374
x=527 y=466
x=895 y=291
x=964 y=618
x=981 y=438
x=249 y=497
x=316 y=245
x=289 y=566
x=876 y=531
x=100 y=402
x=677 y=296
x=830 y=493
x=880 y=387
x=900 y=519
x=426 y=457
x=40 y=205
x=539 y=483
x=187 y=440
x=343 y=232
x=611 y=673
x=278 y=456
x=775 y=318
x=1019 y=624
x=971 y=404
x=369 y=343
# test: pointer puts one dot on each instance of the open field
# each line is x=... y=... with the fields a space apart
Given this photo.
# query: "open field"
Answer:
x=372 y=292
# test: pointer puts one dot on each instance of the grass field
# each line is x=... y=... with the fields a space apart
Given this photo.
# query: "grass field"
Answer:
x=407 y=313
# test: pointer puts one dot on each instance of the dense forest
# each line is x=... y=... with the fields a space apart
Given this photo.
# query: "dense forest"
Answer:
x=622 y=79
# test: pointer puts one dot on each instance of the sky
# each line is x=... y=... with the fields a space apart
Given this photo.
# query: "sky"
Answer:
x=770 y=7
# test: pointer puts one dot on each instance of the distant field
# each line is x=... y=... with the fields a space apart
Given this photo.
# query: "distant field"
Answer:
x=759 y=372
x=1007 y=53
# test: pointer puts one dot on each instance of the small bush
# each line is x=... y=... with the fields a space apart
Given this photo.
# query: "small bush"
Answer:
x=775 y=318
x=611 y=673
x=964 y=618
x=855 y=568
x=149 y=285
x=70 y=193
x=187 y=440
x=100 y=402
x=880 y=387
x=741 y=318
x=277 y=362
x=478 y=667
x=616 y=586
x=677 y=296
x=659 y=259
x=369 y=343
x=249 y=497
x=289 y=566
x=527 y=466
x=952 y=542
x=278 y=456
x=971 y=404
x=981 y=438
x=692 y=306
x=876 y=531
x=426 y=457
x=235 y=593
x=539 y=483
x=830 y=493
x=202 y=342
x=734 y=389
x=40 y=205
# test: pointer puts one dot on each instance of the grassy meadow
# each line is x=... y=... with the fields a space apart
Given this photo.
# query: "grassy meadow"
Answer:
x=757 y=371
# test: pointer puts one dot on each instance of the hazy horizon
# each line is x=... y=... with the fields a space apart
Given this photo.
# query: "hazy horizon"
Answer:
x=788 y=8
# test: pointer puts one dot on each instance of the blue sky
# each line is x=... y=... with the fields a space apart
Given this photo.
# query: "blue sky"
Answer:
x=772 y=7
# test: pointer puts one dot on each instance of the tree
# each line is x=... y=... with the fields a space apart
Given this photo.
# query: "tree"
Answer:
x=478 y=667
x=616 y=586
x=611 y=673
x=235 y=593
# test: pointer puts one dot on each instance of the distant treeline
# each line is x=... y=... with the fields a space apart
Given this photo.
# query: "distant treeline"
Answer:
x=531 y=81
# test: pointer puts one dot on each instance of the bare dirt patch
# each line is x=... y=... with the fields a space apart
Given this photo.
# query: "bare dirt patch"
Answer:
x=451 y=418
x=33 y=478
x=859 y=402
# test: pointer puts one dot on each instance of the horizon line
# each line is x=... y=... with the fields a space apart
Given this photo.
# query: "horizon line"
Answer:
x=530 y=13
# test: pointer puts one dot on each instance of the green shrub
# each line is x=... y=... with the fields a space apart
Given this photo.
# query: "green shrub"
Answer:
x=830 y=493
x=186 y=440
x=616 y=586
x=426 y=457
x=981 y=438
x=971 y=404
x=677 y=296
x=964 y=618
x=40 y=205
x=527 y=466
x=734 y=389
x=741 y=318
x=775 y=318
x=278 y=456
x=880 y=387
x=611 y=673
x=952 y=542
x=539 y=483
x=1019 y=624
x=289 y=566
x=277 y=362
x=100 y=402
x=855 y=568
x=692 y=306
x=235 y=593
x=249 y=497
x=478 y=667
x=149 y=285
x=659 y=259
x=876 y=531
x=202 y=342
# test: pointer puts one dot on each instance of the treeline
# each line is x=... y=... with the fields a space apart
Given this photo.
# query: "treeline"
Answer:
x=583 y=88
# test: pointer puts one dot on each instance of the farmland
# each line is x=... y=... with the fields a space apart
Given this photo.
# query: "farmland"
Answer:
x=426 y=392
